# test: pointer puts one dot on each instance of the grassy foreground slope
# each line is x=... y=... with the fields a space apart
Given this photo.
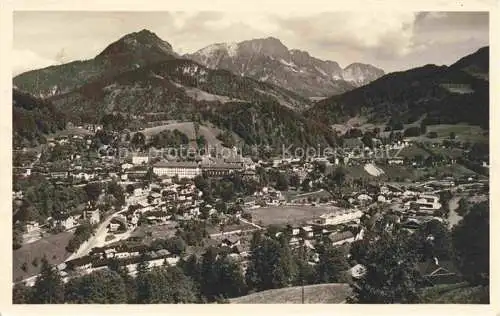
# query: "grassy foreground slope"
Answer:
x=332 y=293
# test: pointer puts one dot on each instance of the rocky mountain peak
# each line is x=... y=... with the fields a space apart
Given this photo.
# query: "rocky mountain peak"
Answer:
x=143 y=42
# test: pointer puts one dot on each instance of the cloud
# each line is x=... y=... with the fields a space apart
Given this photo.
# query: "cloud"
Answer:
x=390 y=33
x=391 y=40
x=24 y=60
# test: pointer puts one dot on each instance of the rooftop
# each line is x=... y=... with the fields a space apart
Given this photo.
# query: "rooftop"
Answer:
x=176 y=164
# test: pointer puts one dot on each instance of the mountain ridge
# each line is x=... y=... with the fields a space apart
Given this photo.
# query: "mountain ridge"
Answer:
x=458 y=93
x=268 y=59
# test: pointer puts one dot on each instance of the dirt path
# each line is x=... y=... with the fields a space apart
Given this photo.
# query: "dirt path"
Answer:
x=453 y=217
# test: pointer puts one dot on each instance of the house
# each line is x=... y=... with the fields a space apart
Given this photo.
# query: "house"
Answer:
x=93 y=216
x=83 y=176
x=364 y=198
x=113 y=227
x=231 y=241
x=58 y=174
x=395 y=161
x=126 y=166
x=181 y=169
x=80 y=264
x=308 y=232
x=69 y=223
x=31 y=226
x=439 y=272
x=358 y=271
x=220 y=169
x=428 y=203
x=381 y=199
x=341 y=238
x=140 y=160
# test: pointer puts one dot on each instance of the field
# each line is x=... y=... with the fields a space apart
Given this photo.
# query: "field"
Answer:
x=412 y=174
x=313 y=294
x=210 y=133
x=463 y=132
x=53 y=247
x=282 y=215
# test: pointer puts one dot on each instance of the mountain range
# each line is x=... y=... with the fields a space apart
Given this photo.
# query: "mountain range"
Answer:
x=269 y=60
x=142 y=79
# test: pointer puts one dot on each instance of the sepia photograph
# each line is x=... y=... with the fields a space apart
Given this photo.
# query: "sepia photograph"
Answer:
x=217 y=157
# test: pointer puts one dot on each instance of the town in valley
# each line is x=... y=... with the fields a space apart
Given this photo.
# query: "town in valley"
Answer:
x=145 y=176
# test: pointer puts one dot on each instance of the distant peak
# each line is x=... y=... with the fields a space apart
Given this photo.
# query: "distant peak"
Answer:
x=143 y=34
x=143 y=40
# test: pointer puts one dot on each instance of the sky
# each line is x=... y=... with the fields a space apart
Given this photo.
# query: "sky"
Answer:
x=392 y=41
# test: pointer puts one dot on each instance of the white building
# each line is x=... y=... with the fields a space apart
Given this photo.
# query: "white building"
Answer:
x=340 y=217
x=127 y=166
x=139 y=160
x=31 y=226
x=93 y=216
x=428 y=203
x=181 y=169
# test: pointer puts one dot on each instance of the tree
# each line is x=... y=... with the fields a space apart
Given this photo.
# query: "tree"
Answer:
x=49 y=287
x=143 y=265
x=433 y=240
x=116 y=191
x=423 y=127
x=226 y=190
x=176 y=245
x=271 y=264
x=282 y=182
x=231 y=282
x=209 y=286
x=471 y=243
x=332 y=265
x=191 y=268
x=21 y=294
x=333 y=182
x=306 y=274
x=138 y=140
x=17 y=237
x=367 y=139
x=201 y=141
x=98 y=287
x=391 y=274
x=294 y=180
x=167 y=285
x=130 y=188
x=93 y=191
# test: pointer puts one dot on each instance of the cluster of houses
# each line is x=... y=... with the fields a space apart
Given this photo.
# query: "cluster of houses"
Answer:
x=158 y=203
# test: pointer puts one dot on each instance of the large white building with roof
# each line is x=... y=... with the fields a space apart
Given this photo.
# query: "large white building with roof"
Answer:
x=181 y=169
x=340 y=217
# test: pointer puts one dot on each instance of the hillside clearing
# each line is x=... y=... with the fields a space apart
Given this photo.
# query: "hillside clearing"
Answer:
x=187 y=128
x=332 y=293
x=52 y=247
